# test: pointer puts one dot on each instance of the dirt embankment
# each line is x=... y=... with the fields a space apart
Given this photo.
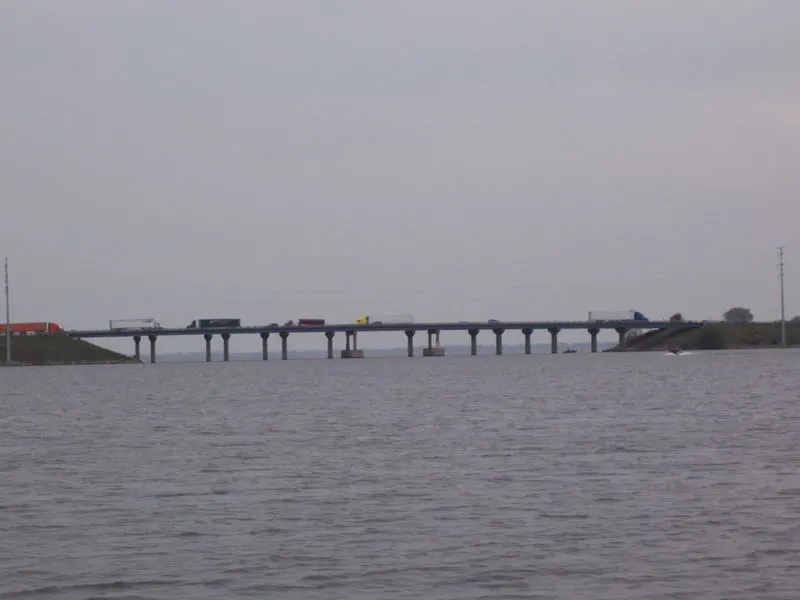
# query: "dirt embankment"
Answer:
x=716 y=336
x=58 y=350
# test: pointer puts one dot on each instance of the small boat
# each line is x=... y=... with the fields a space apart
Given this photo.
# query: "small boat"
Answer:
x=570 y=351
x=675 y=350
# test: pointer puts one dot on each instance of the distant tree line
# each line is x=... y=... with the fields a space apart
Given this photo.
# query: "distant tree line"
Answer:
x=740 y=314
x=737 y=314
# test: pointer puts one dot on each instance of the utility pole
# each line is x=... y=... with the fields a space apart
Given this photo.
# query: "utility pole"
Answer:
x=783 y=309
x=8 y=320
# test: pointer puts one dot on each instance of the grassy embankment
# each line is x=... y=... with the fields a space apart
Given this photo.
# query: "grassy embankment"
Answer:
x=716 y=336
x=58 y=350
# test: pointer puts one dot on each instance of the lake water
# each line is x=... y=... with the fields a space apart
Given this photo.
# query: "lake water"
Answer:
x=618 y=476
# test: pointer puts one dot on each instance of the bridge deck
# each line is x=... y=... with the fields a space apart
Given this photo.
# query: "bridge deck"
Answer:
x=464 y=326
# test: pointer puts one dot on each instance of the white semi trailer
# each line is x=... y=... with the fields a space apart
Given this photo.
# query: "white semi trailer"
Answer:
x=133 y=325
x=616 y=315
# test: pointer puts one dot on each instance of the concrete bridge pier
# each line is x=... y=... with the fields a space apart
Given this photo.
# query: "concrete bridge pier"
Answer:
x=554 y=331
x=433 y=350
x=152 y=339
x=473 y=342
x=264 y=345
x=137 y=353
x=226 y=354
x=593 y=332
x=329 y=335
x=498 y=343
x=284 y=345
x=353 y=352
x=410 y=341
x=208 y=337
x=621 y=332
x=527 y=333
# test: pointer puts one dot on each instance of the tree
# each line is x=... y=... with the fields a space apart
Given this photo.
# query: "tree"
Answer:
x=738 y=314
x=676 y=317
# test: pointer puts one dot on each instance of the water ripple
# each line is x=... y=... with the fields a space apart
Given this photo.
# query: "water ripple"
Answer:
x=611 y=476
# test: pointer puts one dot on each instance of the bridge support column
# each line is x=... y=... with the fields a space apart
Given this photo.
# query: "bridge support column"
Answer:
x=498 y=342
x=593 y=332
x=137 y=352
x=410 y=342
x=622 y=332
x=434 y=348
x=284 y=345
x=226 y=354
x=527 y=333
x=207 y=337
x=473 y=342
x=264 y=345
x=152 y=339
x=353 y=352
x=554 y=339
x=329 y=335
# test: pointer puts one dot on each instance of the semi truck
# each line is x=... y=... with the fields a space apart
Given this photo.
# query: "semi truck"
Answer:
x=37 y=328
x=214 y=324
x=133 y=325
x=302 y=323
x=384 y=319
x=616 y=315
x=310 y=322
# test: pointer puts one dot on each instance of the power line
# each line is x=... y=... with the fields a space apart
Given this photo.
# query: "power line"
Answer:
x=783 y=310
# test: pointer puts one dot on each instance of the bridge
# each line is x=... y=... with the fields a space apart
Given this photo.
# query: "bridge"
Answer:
x=351 y=331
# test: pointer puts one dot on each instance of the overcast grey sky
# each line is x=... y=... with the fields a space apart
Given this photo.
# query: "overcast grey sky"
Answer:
x=450 y=159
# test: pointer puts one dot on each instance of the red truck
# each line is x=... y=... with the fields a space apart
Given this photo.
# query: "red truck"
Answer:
x=310 y=322
x=40 y=327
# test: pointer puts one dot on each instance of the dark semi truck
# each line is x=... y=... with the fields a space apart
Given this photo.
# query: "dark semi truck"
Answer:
x=214 y=324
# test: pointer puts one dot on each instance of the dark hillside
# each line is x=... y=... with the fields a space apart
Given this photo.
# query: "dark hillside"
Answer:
x=717 y=336
x=58 y=350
